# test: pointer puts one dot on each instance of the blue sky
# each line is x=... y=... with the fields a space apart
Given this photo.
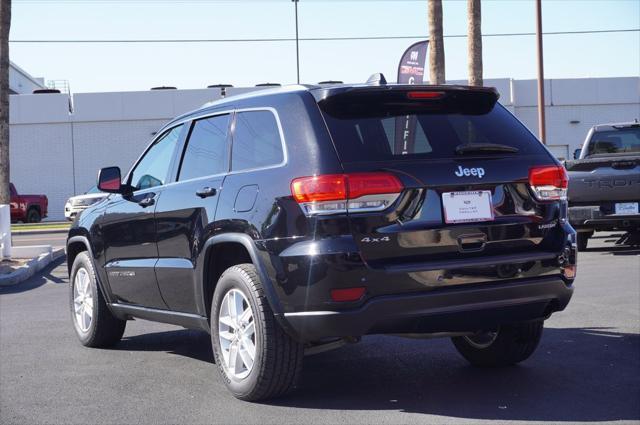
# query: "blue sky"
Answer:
x=116 y=67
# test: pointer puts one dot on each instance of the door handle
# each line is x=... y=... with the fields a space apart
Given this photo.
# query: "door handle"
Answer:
x=205 y=192
x=147 y=201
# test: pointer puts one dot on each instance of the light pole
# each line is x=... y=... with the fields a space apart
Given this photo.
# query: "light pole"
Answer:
x=295 y=2
x=542 y=132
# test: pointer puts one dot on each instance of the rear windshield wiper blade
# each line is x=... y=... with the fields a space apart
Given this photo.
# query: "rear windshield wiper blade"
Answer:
x=484 y=147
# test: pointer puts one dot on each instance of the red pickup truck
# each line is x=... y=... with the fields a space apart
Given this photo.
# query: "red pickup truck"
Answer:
x=27 y=208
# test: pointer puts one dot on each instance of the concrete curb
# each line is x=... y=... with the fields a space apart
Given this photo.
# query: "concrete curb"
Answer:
x=31 y=268
x=38 y=231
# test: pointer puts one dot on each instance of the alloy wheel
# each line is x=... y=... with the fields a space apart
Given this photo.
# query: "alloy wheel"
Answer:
x=83 y=300
x=236 y=333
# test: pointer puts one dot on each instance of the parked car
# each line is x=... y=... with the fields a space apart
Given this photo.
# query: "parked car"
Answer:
x=27 y=208
x=77 y=204
x=294 y=220
x=604 y=189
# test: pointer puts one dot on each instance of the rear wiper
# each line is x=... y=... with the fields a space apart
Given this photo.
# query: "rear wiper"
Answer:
x=484 y=147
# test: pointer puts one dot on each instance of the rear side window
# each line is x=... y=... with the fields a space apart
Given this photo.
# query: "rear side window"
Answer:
x=206 y=151
x=378 y=133
x=256 y=141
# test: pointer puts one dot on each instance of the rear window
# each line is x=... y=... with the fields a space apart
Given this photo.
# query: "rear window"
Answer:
x=625 y=140
x=391 y=132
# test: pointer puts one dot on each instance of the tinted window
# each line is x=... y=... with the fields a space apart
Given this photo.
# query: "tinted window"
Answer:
x=256 y=141
x=378 y=136
x=206 y=151
x=626 y=140
x=153 y=169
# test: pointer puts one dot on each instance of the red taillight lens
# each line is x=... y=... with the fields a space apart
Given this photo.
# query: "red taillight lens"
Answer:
x=554 y=175
x=418 y=95
x=347 y=294
x=329 y=187
x=549 y=183
x=361 y=184
x=336 y=193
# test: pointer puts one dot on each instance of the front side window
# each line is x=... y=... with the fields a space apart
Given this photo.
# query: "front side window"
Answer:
x=206 y=150
x=153 y=168
x=256 y=141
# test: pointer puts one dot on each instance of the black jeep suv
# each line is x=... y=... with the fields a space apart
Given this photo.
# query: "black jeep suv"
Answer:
x=291 y=220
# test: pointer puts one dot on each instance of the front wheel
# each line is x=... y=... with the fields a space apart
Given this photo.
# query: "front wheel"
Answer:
x=93 y=322
x=505 y=346
x=256 y=358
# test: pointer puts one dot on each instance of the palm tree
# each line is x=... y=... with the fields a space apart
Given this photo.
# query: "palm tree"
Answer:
x=436 y=42
x=5 y=24
x=474 y=24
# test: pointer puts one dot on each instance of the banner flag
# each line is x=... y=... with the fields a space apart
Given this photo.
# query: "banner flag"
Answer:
x=410 y=71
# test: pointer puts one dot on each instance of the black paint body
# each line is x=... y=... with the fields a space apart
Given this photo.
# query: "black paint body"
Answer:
x=420 y=280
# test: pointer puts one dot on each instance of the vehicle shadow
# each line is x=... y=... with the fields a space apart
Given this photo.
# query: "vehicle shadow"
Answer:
x=616 y=250
x=40 y=278
x=184 y=342
x=577 y=374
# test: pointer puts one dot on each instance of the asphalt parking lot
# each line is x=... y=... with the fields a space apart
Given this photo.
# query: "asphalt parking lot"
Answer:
x=587 y=367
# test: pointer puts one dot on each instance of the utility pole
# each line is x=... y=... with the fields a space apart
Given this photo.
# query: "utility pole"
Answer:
x=5 y=25
x=295 y=2
x=542 y=131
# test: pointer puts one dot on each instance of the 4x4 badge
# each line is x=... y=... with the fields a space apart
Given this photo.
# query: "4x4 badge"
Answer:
x=369 y=240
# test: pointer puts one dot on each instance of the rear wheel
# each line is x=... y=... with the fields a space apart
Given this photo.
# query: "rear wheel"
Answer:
x=256 y=358
x=583 y=240
x=507 y=345
x=93 y=322
x=33 y=216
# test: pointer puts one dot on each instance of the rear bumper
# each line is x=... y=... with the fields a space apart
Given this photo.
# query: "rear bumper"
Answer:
x=593 y=218
x=446 y=310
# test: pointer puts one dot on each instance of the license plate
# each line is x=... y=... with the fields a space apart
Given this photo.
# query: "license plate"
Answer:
x=627 y=208
x=465 y=207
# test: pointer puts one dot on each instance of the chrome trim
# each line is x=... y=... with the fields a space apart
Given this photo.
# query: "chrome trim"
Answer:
x=210 y=114
x=311 y=313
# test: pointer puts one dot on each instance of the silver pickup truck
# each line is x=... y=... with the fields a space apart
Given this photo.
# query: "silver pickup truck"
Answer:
x=604 y=183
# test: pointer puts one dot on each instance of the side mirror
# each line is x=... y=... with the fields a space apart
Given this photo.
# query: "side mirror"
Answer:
x=576 y=153
x=109 y=180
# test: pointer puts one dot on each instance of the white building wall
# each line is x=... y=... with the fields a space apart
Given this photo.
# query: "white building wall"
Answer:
x=58 y=153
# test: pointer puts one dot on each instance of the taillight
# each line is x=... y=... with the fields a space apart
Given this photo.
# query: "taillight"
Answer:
x=339 y=193
x=549 y=183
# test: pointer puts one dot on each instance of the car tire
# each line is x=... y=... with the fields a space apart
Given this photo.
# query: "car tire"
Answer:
x=93 y=322
x=33 y=216
x=277 y=358
x=509 y=345
x=583 y=240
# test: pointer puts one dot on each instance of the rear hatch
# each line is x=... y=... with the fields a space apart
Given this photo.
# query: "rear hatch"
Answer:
x=465 y=165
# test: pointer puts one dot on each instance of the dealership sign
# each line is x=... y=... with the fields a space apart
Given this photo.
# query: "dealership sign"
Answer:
x=410 y=71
